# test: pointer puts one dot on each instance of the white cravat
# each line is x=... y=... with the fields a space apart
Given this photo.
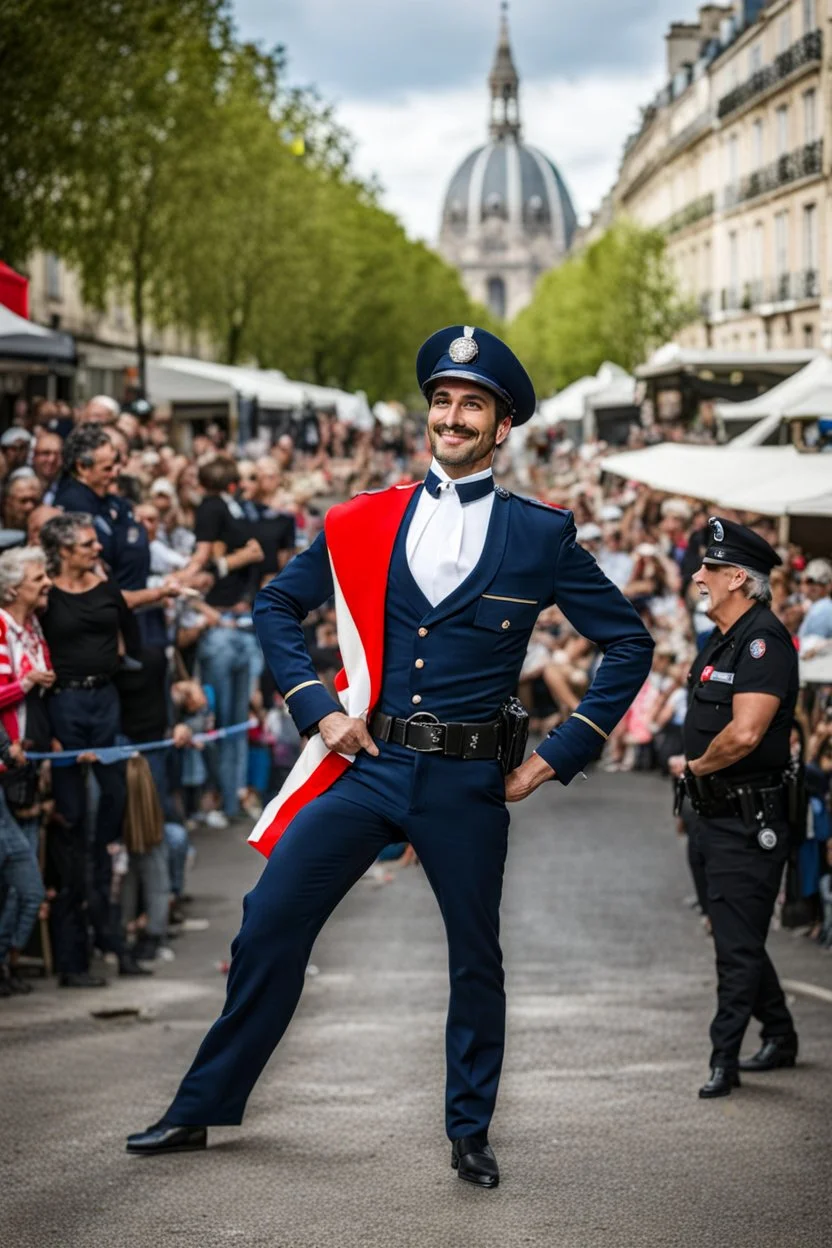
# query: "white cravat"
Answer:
x=445 y=540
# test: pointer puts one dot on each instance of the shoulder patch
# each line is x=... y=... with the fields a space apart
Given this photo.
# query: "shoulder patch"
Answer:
x=757 y=648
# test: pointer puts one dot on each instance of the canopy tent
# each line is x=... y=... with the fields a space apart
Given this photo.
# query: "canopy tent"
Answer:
x=23 y=340
x=169 y=384
x=775 y=481
x=270 y=389
x=807 y=393
x=352 y=409
x=570 y=403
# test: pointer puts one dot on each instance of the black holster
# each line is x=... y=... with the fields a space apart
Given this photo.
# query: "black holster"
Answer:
x=514 y=733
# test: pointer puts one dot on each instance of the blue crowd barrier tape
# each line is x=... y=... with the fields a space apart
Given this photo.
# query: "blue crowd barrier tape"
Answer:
x=118 y=753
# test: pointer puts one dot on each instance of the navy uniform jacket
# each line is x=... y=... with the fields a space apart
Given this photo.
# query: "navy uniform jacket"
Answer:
x=473 y=643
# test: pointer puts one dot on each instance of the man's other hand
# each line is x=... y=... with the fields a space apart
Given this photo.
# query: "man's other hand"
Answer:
x=527 y=777
x=344 y=735
x=677 y=766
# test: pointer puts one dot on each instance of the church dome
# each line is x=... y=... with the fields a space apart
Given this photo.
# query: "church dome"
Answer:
x=515 y=183
x=507 y=215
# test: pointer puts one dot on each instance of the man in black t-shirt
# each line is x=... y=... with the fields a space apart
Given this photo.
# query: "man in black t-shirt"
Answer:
x=743 y=690
x=229 y=658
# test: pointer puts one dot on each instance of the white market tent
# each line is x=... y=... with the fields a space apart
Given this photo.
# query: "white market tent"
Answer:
x=806 y=393
x=173 y=378
x=769 y=480
x=570 y=403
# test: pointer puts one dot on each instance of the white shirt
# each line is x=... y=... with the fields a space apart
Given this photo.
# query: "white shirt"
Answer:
x=445 y=540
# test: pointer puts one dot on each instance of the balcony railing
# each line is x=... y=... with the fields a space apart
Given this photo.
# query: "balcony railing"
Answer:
x=801 y=163
x=695 y=211
x=806 y=51
x=785 y=288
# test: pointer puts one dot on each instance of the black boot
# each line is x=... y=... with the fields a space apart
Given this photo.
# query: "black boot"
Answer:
x=128 y=965
x=17 y=984
x=166 y=1137
x=774 y=1053
x=721 y=1082
x=81 y=979
x=473 y=1159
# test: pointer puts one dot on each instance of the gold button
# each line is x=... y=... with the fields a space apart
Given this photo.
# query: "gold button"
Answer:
x=416 y=699
x=423 y=632
x=420 y=662
x=506 y=624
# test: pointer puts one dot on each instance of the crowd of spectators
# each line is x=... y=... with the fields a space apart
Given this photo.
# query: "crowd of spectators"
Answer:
x=132 y=551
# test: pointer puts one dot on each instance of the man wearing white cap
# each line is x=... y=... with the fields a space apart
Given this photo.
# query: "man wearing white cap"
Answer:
x=816 y=584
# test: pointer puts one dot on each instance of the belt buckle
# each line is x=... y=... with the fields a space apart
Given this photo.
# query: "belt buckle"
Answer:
x=437 y=735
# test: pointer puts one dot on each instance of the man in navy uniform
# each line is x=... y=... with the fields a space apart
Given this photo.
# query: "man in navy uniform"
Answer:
x=437 y=589
x=743 y=690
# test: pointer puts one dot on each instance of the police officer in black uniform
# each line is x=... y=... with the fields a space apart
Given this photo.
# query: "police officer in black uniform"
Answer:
x=735 y=772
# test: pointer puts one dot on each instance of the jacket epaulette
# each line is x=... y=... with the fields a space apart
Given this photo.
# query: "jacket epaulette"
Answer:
x=536 y=502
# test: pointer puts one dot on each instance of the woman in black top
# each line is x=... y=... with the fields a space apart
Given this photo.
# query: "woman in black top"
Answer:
x=84 y=617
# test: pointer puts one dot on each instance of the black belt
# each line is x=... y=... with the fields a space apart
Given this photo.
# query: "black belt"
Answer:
x=749 y=799
x=88 y=682
x=424 y=733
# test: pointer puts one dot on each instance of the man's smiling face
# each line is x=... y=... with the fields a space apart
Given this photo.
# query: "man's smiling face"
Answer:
x=463 y=425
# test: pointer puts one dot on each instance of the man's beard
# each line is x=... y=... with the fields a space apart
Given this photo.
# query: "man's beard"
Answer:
x=475 y=447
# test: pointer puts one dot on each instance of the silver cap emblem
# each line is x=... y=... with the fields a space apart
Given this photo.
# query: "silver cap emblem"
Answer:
x=464 y=350
x=719 y=532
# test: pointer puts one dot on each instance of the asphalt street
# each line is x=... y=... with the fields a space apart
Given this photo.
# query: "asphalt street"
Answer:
x=599 y=1133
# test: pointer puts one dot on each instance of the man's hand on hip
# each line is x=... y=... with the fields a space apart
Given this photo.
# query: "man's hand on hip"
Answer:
x=344 y=735
x=527 y=777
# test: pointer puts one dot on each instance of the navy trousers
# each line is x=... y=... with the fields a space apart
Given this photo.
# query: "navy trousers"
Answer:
x=454 y=815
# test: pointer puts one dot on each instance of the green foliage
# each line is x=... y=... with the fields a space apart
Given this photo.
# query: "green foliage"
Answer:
x=163 y=158
x=616 y=301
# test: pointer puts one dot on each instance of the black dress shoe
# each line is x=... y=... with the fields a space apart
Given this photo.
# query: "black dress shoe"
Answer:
x=166 y=1137
x=777 y=1052
x=721 y=1082
x=81 y=979
x=129 y=966
x=473 y=1159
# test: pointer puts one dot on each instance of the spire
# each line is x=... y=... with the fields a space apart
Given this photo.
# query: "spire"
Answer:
x=505 y=85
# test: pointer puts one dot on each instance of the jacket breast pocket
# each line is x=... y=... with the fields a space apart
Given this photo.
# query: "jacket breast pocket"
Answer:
x=714 y=706
x=501 y=614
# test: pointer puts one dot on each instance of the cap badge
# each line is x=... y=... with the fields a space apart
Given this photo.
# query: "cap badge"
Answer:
x=464 y=350
x=719 y=532
x=757 y=648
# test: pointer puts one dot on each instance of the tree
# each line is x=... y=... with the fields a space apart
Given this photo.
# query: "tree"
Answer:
x=616 y=301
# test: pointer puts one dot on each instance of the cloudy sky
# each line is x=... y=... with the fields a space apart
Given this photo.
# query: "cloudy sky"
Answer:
x=408 y=79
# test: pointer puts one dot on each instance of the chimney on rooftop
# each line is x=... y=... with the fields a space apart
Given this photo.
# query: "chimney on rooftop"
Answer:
x=683 y=41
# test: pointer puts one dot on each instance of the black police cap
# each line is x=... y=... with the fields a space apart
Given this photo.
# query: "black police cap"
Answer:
x=471 y=354
x=733 y=543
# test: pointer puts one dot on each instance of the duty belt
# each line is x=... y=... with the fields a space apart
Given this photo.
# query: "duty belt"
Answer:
x=424 y=733
x=749 y=799
x=87 y=682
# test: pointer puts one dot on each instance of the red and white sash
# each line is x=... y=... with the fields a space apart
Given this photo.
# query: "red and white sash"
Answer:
x=360 y=536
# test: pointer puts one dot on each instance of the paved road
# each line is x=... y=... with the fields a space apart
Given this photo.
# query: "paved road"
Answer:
x=600 y=1136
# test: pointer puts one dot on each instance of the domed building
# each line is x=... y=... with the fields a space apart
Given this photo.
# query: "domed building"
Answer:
x=507 y=216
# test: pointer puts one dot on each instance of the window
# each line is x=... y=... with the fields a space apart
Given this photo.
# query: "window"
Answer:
x=782 y=118
x=784 y=32
x=734 y=158
x=809 y=16
x=758 y=252
x=808 y=336
x=810 y=238
x=781 y=244
x=810 y=116
x=758 y=150
x=734 y=262
x=54 y=277
x=497 y=296
x=755 y=58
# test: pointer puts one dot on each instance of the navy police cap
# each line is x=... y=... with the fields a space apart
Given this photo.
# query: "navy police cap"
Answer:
x=733 y=543
x=475 y=355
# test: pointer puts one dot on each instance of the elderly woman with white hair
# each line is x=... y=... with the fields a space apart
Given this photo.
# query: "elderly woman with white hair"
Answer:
x=25 y=672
